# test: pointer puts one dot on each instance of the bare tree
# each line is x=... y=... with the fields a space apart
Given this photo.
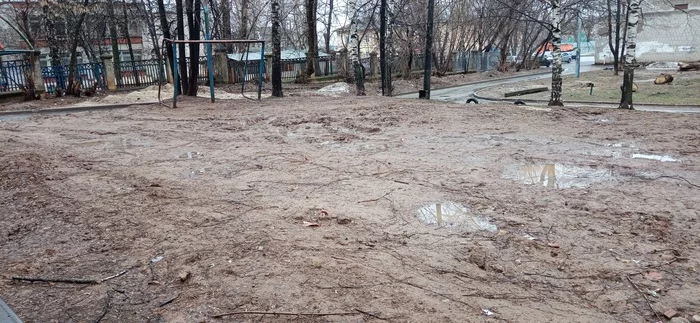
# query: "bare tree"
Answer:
x=276 y=51
x=312 y=64
x=355 y=50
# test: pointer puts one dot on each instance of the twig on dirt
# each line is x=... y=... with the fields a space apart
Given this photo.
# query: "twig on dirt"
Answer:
x=372 y=315
x=645 y=298
x=57 y=280
x=114 y=276
x=401 y=182
x=169 y=300
x=68 y=280
x=548 y=231
x=285 y=313
x=377 y=199
x=105 y=309
x=680 y=178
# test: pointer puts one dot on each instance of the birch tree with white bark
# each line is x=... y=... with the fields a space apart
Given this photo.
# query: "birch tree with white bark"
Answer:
x=630 y=60
x=355 y=50
x=555 y=99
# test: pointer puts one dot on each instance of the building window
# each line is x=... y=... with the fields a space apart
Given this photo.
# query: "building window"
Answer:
x=681 y=6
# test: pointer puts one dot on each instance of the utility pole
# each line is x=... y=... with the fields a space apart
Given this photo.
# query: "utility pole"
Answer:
x=578 y=45
x=425 y=94
x=382 y=45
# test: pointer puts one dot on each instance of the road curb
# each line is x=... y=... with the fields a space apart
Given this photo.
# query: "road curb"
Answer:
x=476 y=82
x=70 y=109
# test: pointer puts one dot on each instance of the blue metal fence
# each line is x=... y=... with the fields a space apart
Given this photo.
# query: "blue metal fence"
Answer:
x=12 y=75
x=87 y=74
x=141 y=73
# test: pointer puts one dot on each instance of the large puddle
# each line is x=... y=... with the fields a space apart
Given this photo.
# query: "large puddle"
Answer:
x=559 y=175
x=451 y=214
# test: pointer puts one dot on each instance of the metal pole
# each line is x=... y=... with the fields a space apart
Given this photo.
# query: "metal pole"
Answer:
x=210 y=64
x=578 y=46
x=176 y=82
x=428 y=46
x=262 y=67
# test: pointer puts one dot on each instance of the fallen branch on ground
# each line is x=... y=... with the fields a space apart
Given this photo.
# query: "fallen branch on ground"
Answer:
x=645 y=298
x=68 y=280
x=286 y=313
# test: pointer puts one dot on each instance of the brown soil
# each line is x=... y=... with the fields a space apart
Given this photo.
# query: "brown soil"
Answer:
x=88 y=195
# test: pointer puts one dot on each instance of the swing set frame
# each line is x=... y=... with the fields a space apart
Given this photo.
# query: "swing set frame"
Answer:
x=210 y=66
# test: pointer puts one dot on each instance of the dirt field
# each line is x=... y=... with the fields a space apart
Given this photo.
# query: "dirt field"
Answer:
x=682 y=91
x=545 y=216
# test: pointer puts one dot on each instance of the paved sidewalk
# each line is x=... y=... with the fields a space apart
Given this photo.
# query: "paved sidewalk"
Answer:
x=7 y=315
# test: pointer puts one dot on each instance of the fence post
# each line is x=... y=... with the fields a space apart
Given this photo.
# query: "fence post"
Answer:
x=373 y=64
x=221 y=66
x=343 y=63
x=108 y=66
x=34 y=59
x=268 y=66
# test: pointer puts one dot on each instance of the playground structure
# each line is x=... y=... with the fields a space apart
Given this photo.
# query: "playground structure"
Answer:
x=210 y=68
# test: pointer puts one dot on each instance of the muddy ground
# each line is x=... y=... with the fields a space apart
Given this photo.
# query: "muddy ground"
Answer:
x=212 y=209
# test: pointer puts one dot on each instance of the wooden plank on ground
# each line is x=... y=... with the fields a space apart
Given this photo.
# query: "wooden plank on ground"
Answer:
x=526 y=91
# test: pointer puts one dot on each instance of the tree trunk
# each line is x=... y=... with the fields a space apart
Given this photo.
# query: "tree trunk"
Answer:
x=555 y=99
x=630 y=61
x=276 y=51
x=115 y=41
x=134 y=72
x=243 y=32
x=355 y=50
x=165 y=27
x=390 y=47
x=311 y=38
x=328 y=34
x=194 y=24
x=226 y=26
x=182 y=60
x=73 y=86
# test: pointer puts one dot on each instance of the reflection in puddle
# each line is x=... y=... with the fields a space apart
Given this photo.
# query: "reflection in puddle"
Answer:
x=664 y=158
x=560 y=175
x=191 y=155
x=451 y=214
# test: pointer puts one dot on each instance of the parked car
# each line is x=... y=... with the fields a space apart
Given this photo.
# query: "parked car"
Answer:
x=566 y=57
x=545 y=62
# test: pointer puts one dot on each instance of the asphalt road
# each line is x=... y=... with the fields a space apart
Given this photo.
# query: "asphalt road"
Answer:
x=460 y=94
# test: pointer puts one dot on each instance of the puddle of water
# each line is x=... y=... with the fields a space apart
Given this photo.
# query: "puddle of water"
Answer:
x=198 y=171
x=191 y=155
x=661 y=158
x=451 y=214
x=559 y=175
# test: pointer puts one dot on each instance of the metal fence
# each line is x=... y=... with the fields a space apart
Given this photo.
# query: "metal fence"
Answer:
x=240 y=71
x=12 y=75
x=203 y=75
x=87 y=74
x=141 y=73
